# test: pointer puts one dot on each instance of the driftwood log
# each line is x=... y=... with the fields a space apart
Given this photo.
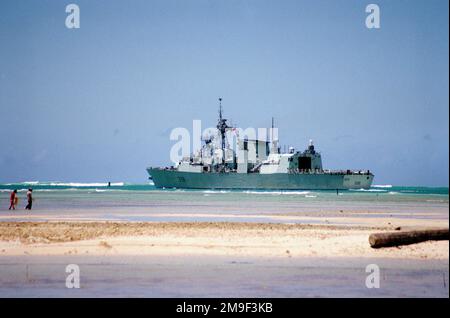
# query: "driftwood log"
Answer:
x=377 y=240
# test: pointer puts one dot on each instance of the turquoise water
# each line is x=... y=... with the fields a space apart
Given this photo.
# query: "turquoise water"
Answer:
x=144 y=202
x=91 y=195
x=376 y=189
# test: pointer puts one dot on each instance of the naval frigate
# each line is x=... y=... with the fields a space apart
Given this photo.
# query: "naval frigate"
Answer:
x=255 y=164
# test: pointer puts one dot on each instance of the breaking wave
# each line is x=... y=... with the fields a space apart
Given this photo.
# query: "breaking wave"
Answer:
x=81 y=185
x=368 y=190
x=215 y=191
x=279 y=192
x=31 y=182
x=257 y=192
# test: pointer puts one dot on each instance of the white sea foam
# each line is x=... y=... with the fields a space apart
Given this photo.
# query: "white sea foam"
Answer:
x=67 y=184
x=261 y=192
x=256 y=192
x=278 y=192
x=31 y=182
x=382 y=186
x=296 y=192
x=107 y=190
x=368 y=190
x=215 y=191
x=80 y=185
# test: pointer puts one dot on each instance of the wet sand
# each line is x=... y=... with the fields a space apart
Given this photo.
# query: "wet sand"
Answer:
x=220 y=276
x=195 y=248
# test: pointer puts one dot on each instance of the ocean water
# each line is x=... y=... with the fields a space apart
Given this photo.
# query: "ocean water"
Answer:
x=194 y=276
x=123 y=186
x=144 y=202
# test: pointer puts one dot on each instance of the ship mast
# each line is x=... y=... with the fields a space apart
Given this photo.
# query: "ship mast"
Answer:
x=272 y=141
x=271 y=131
x=222 y=127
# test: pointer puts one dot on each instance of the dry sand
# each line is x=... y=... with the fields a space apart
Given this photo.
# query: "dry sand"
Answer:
x=205 y=239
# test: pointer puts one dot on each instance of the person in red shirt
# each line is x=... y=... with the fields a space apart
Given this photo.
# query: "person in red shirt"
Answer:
x=12 y=200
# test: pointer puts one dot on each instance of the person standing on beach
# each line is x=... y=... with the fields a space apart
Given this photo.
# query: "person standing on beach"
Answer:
x=12 y=200
x=30 y=199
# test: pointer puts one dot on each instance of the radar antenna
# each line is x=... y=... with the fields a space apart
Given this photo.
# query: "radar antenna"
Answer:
x=220 y=108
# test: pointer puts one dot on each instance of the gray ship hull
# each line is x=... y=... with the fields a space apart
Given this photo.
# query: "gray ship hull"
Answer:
x=166 y=178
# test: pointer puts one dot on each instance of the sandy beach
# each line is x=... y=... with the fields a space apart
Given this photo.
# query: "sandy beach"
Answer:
x=204 y=238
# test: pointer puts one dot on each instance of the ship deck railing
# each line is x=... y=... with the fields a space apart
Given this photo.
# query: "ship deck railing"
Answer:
x=330 y=172
x=293 y=171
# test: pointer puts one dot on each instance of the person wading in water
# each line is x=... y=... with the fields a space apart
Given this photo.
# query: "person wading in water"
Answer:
x=30 y=199
x=13 y=200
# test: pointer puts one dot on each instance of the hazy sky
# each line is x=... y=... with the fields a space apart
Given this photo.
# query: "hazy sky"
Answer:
x=98 y=103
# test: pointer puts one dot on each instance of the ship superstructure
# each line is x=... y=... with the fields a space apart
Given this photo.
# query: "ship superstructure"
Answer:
x=256 y=163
